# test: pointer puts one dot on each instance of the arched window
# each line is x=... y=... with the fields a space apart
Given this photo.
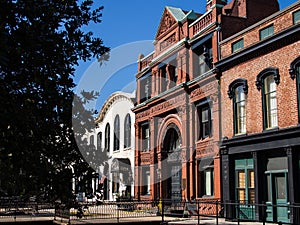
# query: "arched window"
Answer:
x=295 y=73
x=99 y=141
x=92 y=140
x=240 y=110
x=270 y=102
x=172 y=140
x=117 y=133
x=267 y=81
x=127 y=131
x=107 y=137
x=237 y=91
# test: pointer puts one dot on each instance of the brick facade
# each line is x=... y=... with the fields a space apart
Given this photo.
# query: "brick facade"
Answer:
x=269 y=154
x=177 y=116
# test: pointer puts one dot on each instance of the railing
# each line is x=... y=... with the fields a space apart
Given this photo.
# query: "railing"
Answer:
x=200 y=211
x=202 y=23
x=15 y=210
x=114 y=210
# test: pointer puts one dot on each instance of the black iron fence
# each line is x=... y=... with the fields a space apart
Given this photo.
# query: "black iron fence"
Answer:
x=263 y=212
x=215 y=211
x=15 y=209
x=114 y=210
x=234 y=211
x=198 y=210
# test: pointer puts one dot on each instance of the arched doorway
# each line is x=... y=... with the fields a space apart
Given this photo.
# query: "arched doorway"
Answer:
x=171 y=164
x=121 y=177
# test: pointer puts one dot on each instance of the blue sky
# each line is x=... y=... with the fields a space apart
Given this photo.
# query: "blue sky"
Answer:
x=128 y=28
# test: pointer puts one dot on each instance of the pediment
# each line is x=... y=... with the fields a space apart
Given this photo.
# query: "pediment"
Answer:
x=166 y=22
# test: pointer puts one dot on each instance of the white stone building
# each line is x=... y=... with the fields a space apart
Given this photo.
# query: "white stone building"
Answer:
x=115 y=136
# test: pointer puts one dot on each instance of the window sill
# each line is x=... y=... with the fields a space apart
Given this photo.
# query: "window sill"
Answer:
x=203 y=139
x=207 y=196
x=240 y=135
x=128 y=148
x=271 y=129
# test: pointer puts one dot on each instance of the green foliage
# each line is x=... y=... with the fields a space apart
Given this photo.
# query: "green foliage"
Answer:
x=41 y=43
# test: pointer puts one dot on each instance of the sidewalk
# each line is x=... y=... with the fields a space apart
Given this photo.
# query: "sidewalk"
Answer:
x=140 y=220
x=212 y=221
x=157 y=220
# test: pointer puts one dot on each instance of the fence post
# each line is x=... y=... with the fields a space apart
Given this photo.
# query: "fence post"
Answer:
x=69 y=222
x=198 y=206
x=118 y=211
x=264 y=213
x=238 y=213
x=15 y=212
x=162 y=211
x=217 y=216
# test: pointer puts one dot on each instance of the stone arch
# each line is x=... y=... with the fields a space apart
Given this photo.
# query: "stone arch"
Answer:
x=170 y=164
x=170 y=121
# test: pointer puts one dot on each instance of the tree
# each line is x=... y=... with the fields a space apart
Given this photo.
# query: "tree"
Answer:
x=41 y=45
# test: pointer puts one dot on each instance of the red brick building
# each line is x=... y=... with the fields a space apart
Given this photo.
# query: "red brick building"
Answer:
x=178 y=103
x=259 y=73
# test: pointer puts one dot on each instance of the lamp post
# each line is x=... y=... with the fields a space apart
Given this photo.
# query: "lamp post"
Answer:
x=158 y=171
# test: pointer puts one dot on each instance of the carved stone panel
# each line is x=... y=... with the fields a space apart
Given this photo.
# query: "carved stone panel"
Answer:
x=165 y=24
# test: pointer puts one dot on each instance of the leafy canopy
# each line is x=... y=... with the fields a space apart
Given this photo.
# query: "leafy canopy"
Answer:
x=41 y=43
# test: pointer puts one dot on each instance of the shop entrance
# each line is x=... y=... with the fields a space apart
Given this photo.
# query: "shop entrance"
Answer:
x=277 y=190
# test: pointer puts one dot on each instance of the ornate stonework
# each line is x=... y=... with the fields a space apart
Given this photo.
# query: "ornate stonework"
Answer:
x=167 y=42
x=166 y=23
x=166 y=105
x=202 y=92
x=204 y=148
x=145 y=158
x=142 y=114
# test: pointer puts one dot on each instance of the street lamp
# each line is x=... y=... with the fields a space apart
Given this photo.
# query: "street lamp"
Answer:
x=158 y=171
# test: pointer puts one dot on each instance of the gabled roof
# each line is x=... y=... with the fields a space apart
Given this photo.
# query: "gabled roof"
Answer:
x=171 y=15
x=177 y=13
x=180 y=14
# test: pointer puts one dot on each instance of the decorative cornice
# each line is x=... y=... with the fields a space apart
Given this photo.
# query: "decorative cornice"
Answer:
x=281 y=134
x=168 y=51
x=288 y=150
x=266 y=72
x=238 y=82
x=293 y=67
x=111 y=100
x=259 y=48
x=224 y=150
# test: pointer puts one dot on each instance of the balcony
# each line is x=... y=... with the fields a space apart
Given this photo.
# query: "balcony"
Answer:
x=201 y=23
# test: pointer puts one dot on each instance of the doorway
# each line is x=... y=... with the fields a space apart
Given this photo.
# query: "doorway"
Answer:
x=277 y=196
x=171 y=165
